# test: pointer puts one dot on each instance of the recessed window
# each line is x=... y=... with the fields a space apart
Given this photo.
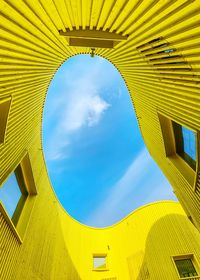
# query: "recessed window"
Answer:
x=17 y=198
x=13 y=194
x=99 y=262
x=4 y=111
x=181 y=147
x=185 y=266
x=185 y=140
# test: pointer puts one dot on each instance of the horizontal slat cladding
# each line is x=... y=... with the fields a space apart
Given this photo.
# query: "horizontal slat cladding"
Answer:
x=109 y=278
x=168 y=62
x=9 y=248
x=159 y=62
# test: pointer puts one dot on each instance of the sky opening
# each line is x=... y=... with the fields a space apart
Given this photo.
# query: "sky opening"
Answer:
x=98 y=164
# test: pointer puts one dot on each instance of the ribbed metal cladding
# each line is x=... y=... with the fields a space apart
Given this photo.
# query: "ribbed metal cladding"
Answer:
x=9 y=246
x=110 y=278
x=31 y=50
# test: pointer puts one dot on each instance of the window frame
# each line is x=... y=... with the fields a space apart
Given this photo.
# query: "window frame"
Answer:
x=19 y=221
x=23 y=195
x=185 y=257
x=101 y=255
x=167 y=131
x=5 y=104
x=179 y=144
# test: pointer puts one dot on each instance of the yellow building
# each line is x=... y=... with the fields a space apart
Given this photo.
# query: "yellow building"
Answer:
x=156 y=47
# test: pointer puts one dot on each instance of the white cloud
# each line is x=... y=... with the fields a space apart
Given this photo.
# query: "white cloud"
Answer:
x=78 y=105
x=141 y=183
x=84 y=109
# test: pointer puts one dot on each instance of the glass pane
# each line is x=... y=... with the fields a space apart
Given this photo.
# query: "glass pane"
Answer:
x=185 y=144
x=10 y=194
x=189 y=142
x=99 y=262
x=185 y=268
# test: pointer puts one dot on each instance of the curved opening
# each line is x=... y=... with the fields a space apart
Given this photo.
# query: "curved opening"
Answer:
x=96 y=158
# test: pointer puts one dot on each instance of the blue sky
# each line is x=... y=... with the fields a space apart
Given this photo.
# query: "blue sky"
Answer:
x=10 y=194
x=96 y=157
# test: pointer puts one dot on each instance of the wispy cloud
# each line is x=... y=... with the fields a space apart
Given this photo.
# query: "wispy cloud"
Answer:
x=141 y=183
x=85 y=108
x=79 y=104
x=82 y=98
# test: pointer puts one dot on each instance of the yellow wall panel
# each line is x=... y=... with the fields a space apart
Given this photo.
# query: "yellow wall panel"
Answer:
x=31 y=50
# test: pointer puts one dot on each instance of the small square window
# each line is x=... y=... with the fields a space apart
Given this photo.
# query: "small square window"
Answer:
x=185 y=266
x=99 y=262
x=185 y=140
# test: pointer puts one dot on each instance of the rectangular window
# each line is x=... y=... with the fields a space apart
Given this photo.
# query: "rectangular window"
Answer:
x=4 y=111
x=185 y=140
x=181 y=147
x=185 y=266
x=99 y=262
x=13 y=194
x=17 y=197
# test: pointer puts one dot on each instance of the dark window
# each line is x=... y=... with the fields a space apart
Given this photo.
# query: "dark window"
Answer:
x=185 y=268
x=13 y=194
x=185 y=144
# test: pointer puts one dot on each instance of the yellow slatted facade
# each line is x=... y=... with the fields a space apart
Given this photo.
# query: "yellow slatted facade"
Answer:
x=31 y=50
